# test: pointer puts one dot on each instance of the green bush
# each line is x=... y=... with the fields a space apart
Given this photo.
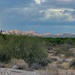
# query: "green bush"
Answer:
x=4 y=55
x=31 y=49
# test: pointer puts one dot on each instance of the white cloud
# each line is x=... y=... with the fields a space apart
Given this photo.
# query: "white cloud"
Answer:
x=51 y=13
x=58 y=14
x=39 y=1
x=48 y=14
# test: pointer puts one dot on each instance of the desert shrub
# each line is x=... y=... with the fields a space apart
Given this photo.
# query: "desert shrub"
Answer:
x=64 y=51
x=53 y=59
x=72 y=64
x=69 y=41
x=31 y=49
x=4 y=55
x=1 y=65
x=19 y=63
x=36 y=66
x=36 y=52
x=64 y=65
x=58 y=51
x=68 y=53
x=50 y=60
x=52 y=66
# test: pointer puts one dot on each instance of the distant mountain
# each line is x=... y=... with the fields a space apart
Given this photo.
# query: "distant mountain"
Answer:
x=33 y=33
x=18 y=32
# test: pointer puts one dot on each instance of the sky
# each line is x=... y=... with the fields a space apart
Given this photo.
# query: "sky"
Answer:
x=42 y=16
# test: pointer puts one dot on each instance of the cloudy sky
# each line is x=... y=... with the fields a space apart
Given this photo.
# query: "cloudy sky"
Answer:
x=55 y=16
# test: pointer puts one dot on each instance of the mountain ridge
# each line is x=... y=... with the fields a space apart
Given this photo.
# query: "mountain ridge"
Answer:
x=34 y=33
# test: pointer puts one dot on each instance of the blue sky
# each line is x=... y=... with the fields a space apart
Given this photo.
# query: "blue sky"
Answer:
x=54 y=16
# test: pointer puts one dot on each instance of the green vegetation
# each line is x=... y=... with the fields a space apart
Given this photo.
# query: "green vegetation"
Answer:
x=33 y=49
x=61 y=45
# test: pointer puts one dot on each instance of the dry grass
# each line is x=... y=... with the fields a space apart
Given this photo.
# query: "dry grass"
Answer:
x=19 y=62
x=65 y=65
